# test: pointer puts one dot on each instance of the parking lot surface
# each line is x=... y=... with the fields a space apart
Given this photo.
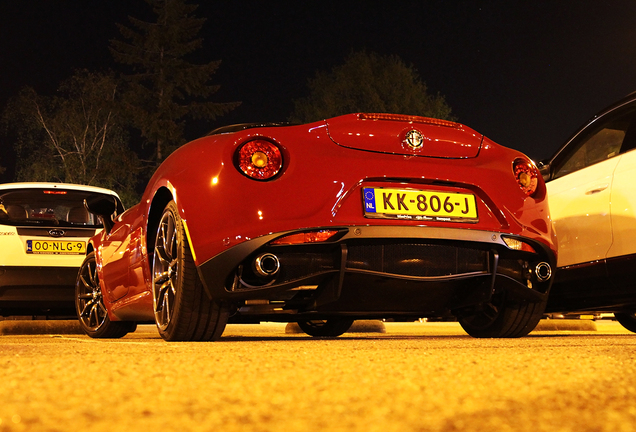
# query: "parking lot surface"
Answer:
x=412 y=377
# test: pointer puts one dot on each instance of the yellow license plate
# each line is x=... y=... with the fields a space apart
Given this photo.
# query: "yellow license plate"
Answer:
x=419 y=205
x=55 y=247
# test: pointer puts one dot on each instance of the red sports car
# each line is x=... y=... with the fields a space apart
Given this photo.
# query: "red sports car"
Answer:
x=360 y=216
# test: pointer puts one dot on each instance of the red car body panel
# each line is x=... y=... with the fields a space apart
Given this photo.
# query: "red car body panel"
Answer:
x=454 y=141
x=325 y=167
x=322 y=189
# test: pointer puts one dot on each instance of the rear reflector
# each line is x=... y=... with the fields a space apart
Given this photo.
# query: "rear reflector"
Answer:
x=306 y=237
x=518 y=245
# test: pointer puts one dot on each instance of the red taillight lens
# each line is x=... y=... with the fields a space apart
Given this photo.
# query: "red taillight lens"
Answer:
x=527 y=175
x=259 y=159
x=306 y=237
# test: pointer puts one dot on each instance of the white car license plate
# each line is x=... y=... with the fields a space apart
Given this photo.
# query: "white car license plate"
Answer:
x=55 y=247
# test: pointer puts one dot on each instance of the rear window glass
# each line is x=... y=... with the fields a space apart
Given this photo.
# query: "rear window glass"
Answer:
x=46 y=207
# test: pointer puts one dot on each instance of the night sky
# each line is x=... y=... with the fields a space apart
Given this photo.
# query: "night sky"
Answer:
x=524 y=73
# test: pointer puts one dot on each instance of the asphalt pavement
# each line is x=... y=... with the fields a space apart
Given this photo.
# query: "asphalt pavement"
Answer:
x=412 y=377
x=34 y=326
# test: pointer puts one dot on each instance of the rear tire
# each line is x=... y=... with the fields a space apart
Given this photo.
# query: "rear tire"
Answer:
x=627 y=320
x=90 y=308
x=503 y=318
x=183 y=311
x=326 y=328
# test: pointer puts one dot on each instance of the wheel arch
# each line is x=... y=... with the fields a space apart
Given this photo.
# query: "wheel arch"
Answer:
x=159 y=202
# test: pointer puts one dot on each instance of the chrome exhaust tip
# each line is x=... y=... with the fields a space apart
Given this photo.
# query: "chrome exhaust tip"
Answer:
x=266 y=265
x=543 y=271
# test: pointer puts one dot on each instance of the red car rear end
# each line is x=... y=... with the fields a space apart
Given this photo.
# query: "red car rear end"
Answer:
x=359 y=216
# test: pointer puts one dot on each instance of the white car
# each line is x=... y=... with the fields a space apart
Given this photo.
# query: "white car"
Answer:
x=44 y=231
x=591 y=185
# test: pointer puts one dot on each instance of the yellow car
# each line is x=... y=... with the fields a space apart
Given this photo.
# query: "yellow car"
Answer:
x=590 y=183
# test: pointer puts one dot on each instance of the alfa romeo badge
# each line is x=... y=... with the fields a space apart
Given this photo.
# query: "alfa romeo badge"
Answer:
x=414 y=139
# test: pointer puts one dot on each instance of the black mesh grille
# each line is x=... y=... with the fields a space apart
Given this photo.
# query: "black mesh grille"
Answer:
x=417 y=259
x=401 y=259
x=297 y=265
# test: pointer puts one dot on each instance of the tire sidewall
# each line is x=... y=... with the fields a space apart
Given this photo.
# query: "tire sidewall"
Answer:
x=170 y=331
x=515 y=318
x=332 y=327
x=108 y=328
x=627 y=320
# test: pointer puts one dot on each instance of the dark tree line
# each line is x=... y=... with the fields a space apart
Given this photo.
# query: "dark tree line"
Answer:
x=368 y=82
x=83 y=133
x=162 y=88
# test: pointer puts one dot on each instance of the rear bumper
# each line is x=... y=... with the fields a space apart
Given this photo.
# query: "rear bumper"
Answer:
x=37 y=290
x=381 y=270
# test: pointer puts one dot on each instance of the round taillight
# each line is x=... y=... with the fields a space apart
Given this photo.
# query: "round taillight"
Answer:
x=527 y=175
x=259 y=159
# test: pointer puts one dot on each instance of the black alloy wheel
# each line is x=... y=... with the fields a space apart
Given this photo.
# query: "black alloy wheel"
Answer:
x=89 y=304
x=182 y=309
